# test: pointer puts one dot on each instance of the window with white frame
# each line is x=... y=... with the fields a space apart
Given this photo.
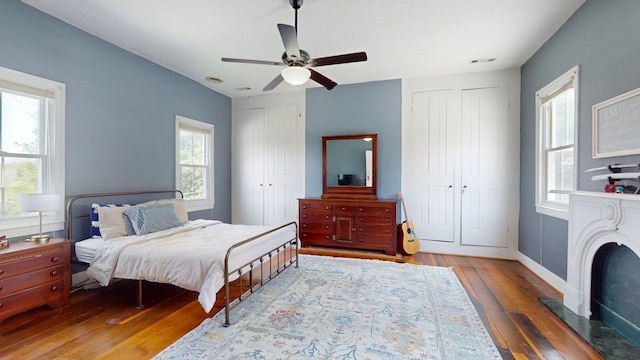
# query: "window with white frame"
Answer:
x=31 y=150
x=194 y=163
x=556 y=115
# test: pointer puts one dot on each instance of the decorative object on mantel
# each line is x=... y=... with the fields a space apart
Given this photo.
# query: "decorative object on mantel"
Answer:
x=335 y=308
x=4 y=243
x=616 y=126
x=615 y=175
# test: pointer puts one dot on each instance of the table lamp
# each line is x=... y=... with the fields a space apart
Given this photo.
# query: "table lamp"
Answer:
x=39 y=203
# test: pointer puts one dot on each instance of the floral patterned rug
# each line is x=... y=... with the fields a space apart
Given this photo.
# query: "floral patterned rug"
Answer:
x=335 y=308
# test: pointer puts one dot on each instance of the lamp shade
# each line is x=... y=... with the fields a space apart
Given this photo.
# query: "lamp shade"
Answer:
x=39 y=202
x=296 y=75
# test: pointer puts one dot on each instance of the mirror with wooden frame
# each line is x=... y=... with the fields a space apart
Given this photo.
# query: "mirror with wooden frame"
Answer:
x=349 y=164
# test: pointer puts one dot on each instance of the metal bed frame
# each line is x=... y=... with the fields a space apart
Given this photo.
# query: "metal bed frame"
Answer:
x=285 y=254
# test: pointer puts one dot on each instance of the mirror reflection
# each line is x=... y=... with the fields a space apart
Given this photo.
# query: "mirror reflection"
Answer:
x=349 y=162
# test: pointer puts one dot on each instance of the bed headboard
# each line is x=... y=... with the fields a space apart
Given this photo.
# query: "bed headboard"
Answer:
x=133 y=195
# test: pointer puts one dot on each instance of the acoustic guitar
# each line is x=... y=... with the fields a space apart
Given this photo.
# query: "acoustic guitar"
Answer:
x=410 y=243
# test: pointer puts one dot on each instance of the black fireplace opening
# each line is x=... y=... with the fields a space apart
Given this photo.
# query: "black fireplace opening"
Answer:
x=615 y=290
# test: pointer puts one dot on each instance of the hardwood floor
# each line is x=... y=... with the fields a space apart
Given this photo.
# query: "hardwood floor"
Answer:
x=104 y=323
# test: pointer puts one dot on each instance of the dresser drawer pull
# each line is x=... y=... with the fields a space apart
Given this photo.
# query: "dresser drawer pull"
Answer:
x=0 y=305
x=387 y=220
x=343 y=208
x=304 y=216
x=54 y=273
x=304 y=225
x=326 y=227
x=1 y=271
x=54 y=288
x=326 y=208
x=326 y=237
x=304 y=206
x=55 y=259
x=304 y=235
x=326 y=217
x=387 y=231
x=1 y=287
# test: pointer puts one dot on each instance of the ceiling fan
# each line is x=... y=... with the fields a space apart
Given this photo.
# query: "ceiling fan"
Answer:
x=297 y=61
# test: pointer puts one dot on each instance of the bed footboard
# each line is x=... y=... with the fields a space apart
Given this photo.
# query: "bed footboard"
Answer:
x=279 y=258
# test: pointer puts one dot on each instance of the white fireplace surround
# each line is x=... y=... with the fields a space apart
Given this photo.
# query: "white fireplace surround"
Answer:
x=596 y=219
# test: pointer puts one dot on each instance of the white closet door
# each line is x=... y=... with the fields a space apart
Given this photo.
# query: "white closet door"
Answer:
x=485 y=167
x=282 y=164
x=430 y=164
x=249 y=167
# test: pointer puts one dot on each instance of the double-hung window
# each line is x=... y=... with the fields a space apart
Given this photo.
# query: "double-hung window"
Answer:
x=556 y=115
x=31 y=150
x=194 y=163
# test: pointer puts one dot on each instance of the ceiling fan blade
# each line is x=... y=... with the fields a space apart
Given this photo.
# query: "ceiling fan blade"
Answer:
x=275 y=82
x=322 y=80
x=247 y=61
x=290 y=40
x=339 y=59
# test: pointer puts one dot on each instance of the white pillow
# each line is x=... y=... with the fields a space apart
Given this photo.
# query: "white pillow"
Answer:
x=178 y=207
x=111 y=222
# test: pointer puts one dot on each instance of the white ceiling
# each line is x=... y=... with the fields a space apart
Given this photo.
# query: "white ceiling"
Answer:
x=402 y=38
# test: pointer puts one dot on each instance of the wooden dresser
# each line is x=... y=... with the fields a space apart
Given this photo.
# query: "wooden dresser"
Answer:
x=33 y=275
x=353 y=224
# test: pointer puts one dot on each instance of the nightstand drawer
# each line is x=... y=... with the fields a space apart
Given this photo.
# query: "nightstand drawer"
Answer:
x=24 y=300
x=25 y=281
x=16 y=266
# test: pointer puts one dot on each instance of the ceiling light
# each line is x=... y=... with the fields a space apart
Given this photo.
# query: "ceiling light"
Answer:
x=296 y=75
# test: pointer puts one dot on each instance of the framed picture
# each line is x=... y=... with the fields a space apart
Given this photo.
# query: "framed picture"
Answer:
x=616 y=126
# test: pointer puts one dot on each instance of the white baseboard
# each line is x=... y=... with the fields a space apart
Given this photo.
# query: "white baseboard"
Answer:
x=554 y=280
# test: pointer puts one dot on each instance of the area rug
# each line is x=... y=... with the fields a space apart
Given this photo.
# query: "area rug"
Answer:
x=336 y=308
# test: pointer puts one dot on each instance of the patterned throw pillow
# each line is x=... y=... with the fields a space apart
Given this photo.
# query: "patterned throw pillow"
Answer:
x=146 y=220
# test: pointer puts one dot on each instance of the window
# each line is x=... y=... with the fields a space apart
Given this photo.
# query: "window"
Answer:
x=194 y=163
x=31 y=150
x=556 y=114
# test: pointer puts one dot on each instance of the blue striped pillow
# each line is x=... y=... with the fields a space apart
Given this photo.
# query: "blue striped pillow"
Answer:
x=146 y=220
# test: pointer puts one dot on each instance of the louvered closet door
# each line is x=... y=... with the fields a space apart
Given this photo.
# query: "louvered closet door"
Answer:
x=249 y=165
x=283 y=157
x=431 y=134
x=485 y=172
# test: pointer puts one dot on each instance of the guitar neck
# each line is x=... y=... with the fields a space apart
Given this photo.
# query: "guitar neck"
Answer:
x=404 y=208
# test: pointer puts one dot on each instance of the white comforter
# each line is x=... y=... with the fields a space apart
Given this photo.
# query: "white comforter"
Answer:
x=189 y=256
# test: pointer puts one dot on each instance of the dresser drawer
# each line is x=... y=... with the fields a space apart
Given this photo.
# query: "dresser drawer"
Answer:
x=317 y=227
x=375 y=210
x=375 y=220
x=380 y=230
x=31 y=279
x=315 y=207
x=315 y=237
x=375 y=241
x=316 y=217
x=13 y=268
x=343 y=209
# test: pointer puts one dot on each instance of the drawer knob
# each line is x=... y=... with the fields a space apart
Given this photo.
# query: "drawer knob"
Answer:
x=326 y=226
x=304 y=206
x=304 y=216
x=1 y=271
x=1 y=287
x=304 y=225
x=54 y=288
x=326 y=216
x=326 y=208
x=387 y=210
x=55 y=259
x=387 y=220
x=326 y=237
x=343 y=208
x=304 y=235
x=0 y=305
x=54 y=273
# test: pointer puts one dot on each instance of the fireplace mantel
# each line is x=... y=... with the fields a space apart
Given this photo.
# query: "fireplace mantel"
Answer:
x=596 y=219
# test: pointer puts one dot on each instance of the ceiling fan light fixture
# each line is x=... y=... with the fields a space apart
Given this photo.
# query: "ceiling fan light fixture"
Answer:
x=296 y=75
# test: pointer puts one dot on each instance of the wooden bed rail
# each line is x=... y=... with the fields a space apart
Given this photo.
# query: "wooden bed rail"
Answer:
x=285 y=247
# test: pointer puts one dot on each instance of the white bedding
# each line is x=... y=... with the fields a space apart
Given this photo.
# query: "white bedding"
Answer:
x=86 y=249
x=189 y=256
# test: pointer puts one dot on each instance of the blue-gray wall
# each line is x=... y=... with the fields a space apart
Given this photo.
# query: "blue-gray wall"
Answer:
x=367 y=108
x=603 y=38
x=120 y=108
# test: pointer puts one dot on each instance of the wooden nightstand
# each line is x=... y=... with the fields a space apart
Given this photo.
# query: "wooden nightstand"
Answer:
x=33 y=275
